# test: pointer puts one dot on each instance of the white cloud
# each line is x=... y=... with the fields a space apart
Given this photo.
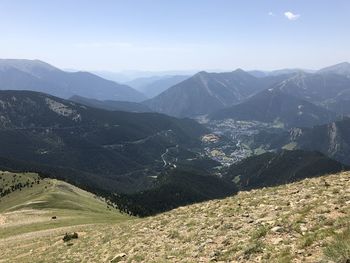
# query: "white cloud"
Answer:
x=271 y=14
x=290 y=16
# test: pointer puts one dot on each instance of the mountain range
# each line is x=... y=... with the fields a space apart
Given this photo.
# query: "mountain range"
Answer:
x=324 y=88
x=39 y=76
x=260 y=73
x=148 y=162
x=123 y=149
x=207 y=92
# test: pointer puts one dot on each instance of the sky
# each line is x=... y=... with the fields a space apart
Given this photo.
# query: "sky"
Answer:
x=160 y=35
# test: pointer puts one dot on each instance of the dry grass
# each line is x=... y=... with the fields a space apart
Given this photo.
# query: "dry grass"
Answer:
x=291 y=223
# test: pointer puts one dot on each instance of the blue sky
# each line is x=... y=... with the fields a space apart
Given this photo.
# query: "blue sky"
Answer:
x=163 y=35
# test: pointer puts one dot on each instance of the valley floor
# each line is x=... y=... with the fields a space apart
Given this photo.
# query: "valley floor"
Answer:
x=306 y=221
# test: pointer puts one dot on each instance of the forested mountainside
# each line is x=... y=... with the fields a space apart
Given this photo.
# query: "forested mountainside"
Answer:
x=274 y=106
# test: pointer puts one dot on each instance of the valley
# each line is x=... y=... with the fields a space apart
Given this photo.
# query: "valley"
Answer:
x=227 y=143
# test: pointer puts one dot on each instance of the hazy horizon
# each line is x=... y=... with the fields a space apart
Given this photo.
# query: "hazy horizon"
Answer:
x=163 y=36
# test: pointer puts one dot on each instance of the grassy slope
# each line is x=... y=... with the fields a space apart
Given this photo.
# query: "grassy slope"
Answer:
x=307 y=221
x=31 y=208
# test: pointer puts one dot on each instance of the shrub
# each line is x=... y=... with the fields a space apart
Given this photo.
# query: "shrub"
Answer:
x=69 y=236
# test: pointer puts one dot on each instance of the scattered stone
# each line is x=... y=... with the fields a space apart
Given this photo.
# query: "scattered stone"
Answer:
x=214 y=254
x=209 y=241
x=276 y=241
x=303 y=228
x=118 y=257
x=277 y=229
x=326 y=184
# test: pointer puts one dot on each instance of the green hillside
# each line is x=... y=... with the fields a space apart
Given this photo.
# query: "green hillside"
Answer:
x=306 y=221
x=29 y=203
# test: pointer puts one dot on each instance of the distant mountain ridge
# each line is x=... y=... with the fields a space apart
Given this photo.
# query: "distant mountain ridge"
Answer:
x=207 y=92
x=340 y=69
x=153 y=86
x=111 y=105
x=39 y=76
x=260 y=73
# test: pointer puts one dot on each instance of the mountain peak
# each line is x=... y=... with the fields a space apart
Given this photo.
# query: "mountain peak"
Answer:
x=344 y=64
x=36 y=75
x=340 y=69
x=26 y=65
x=239 y=70
x=206 y=92
x=202 y=73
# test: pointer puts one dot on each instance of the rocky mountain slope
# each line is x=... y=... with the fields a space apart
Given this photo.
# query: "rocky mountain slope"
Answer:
x=326 y=89
x=306 y=221
x=332 y=139
x=35 y=75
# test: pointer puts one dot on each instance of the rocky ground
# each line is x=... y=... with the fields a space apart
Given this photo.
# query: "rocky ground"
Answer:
x=305 y=221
